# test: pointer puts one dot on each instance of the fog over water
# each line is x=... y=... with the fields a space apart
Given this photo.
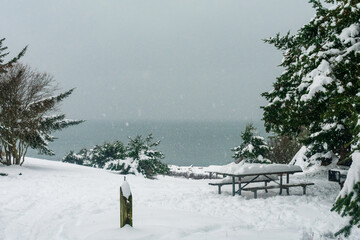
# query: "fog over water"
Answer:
x=185 y=143
x=158 y=59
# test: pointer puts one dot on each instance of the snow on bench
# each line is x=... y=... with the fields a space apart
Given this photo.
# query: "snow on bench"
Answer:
x=284 y=186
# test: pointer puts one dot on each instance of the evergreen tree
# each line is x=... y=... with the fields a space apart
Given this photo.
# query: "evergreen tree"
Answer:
x=253 y=149
x=319 y=85
x=143 y=151
x=319 y=89
x=3 y=67
x=26 y=102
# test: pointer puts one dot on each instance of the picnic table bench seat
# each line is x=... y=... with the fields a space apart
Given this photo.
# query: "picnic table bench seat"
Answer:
x=228 y=181
x=284 y=186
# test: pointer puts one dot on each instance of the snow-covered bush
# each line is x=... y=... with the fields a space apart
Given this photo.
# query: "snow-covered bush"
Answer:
x=76 y=158
x=142 y=150
x=138 y=157
x=123 y=166
x=253 y=149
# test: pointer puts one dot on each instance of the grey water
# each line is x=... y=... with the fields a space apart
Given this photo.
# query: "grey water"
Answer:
x=184 y=143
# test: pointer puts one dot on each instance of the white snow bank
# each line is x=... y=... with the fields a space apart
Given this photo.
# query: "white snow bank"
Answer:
x=353 y=175
x=311 y=165
x=53 y=200
x=300 y=159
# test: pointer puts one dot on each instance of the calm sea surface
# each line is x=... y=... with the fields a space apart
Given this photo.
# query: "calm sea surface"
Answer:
x=183 y=143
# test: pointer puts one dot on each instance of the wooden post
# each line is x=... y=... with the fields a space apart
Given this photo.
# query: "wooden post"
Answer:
x=125 y=205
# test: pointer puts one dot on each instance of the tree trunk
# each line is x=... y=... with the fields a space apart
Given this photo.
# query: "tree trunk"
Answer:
x=24 y=154
x=344 y=155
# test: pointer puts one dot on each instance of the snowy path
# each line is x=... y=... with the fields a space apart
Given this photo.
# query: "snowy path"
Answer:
x=52 y=200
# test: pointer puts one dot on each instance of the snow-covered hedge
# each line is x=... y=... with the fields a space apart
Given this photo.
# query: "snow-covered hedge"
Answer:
x=137 y=157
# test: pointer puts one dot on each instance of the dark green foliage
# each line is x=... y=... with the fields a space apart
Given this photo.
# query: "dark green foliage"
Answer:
x=292 y=107
x=3 y=54
x=122 y=168
x=349 y=206
x=253 y=148
x=140 y=145
x=98 y=156
x=107 y=152
x=138 y=156
x=3 y=68
x=151 y=167
x=40 y=137
x=142 y=149
x=282 y=149
x=71 y=157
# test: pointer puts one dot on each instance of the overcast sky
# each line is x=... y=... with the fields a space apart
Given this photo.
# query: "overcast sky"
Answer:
x=151 y=59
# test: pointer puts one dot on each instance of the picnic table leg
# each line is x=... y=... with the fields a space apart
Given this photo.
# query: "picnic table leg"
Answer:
x=287 y=181
x=281 y=180
x=233 y=186
x=219 y=189
x=304 y=189
x=266 y=186
x=239 y=185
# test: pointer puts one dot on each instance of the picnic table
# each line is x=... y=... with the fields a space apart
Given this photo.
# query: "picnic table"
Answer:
x=246 y=174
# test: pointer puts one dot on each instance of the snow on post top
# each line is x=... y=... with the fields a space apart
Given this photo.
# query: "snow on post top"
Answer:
x=125 y=188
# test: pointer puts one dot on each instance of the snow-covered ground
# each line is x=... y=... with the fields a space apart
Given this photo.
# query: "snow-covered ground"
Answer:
x=54 y=200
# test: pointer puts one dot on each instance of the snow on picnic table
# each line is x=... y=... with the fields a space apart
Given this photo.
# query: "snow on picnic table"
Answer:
x=247 y=168
x=53 y=200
